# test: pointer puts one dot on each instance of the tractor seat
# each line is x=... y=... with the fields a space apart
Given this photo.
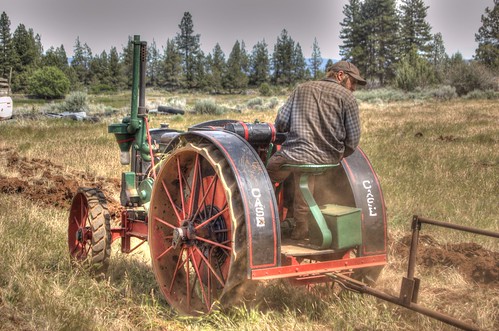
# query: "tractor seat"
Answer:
x=320 y=237
x=310 y=168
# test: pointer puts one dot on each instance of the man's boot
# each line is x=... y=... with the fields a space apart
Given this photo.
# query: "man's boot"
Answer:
x=300 y=231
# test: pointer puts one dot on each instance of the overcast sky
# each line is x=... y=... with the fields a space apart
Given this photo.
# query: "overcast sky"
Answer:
x=106 y=23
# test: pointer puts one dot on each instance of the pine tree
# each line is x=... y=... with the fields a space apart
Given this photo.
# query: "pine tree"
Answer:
x=282 y=59
x=380 y=33
x=99 y=67
x=200 y=79
x=172 y=66
x=299 y=65
x=6 y=48
x=217 y=67
x=415 y=31
x=316 y=61
x=438 y=56
x=116 y=79
x=235 y=78
x=127 y=62
x=259 y=64
x=488 y=37
x=154 y=64
x=26 y=57
x=188 y=46
x=25 y=47
x=56 y=58
x=353 y=34
x=82 y=56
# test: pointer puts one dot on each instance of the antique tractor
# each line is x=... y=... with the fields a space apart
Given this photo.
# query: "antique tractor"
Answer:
x=214 y=222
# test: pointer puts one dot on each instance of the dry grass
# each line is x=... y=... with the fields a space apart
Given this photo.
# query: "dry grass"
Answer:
x=439 y=160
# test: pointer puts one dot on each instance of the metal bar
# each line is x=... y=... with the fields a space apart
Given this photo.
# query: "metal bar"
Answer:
x=414 y=248
x=363 y=288
x=457 y=227
x=307 y=269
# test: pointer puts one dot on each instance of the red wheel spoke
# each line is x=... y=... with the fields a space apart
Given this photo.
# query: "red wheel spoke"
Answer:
x=198 y=274
x=179 y=265
x=202 y=202
x=194 y=185
x=188 y=280
x=219 y=264
x=162 y=254
x=211 y=219
x=208 y=264
x=171 y=201
x=74 y=249
x=164 y=222
x=181 y=186
x=215 y=243
x=213 y=197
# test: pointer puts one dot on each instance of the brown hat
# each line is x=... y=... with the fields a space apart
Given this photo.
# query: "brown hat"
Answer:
x=348 y=68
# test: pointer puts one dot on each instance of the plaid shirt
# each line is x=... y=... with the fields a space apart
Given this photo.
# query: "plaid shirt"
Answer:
x=322 y=121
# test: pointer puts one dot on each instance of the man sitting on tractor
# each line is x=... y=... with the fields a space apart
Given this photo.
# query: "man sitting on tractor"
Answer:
x=321 y=119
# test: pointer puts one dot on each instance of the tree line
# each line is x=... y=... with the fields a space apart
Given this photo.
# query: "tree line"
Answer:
x=391 y=46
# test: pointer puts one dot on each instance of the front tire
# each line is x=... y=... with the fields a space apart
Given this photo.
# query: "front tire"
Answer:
x=89 y=230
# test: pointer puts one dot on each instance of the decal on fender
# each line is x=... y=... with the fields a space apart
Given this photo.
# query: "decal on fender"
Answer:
x=258 y=207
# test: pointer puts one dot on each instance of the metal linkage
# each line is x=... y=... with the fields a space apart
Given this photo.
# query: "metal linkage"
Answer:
x=410 y=285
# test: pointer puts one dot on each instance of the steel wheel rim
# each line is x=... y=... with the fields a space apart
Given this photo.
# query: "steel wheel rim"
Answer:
x=79 y=229
x=191 y=239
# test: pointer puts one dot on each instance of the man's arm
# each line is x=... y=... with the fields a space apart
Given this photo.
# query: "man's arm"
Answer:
x=352 y=126
x=283 y=119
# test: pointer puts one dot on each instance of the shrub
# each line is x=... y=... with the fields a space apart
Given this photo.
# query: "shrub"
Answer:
x=49 y=83
x=75 y=102
x=265 y=90
x=466 y=77
x=478 y=94
x=208 y=106
x=254 y=103
x=444 y=92
x=273 y=103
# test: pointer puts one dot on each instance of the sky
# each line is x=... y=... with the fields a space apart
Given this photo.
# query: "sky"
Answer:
x=103 y=24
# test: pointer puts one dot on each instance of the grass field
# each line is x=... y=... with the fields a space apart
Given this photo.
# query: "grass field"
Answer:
x=435 y=159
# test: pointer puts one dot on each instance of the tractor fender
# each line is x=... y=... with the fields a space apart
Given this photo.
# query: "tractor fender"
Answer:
x=257 y=194
x=368 y=197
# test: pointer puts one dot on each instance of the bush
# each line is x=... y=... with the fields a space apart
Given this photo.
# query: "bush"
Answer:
x=265 y=90
x=49 y=83
x=444 y=92
x=466 y=77
x=209 y=107
x=478 y=94
x=75 y=102
x=254 y=103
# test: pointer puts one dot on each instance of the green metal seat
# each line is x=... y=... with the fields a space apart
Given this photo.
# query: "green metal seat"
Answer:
x=323 y=237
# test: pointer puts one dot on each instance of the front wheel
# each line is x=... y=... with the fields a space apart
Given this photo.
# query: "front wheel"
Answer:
x=89 y=229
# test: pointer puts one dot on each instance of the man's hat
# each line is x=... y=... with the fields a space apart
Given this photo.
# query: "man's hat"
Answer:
x=348 y=68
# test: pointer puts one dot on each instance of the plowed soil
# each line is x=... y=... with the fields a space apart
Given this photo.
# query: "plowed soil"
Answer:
x=47 y=183
x=475 y=263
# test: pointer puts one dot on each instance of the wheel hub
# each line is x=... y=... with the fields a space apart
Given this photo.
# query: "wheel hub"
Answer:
x=183 y=235
x=83 y=234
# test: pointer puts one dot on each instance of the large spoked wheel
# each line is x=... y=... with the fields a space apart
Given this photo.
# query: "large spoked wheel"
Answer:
x=197 y=235
x=89 y=230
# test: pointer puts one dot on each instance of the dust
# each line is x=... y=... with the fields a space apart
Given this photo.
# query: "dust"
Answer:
x=45 y=182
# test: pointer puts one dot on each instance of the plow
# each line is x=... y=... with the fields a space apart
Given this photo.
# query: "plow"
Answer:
x=216 y=225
